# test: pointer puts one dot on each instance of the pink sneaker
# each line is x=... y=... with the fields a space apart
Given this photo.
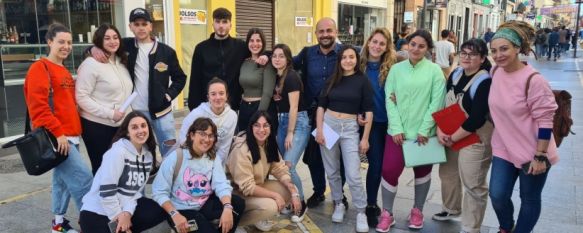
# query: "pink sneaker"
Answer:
x=386 y=220
x=416 y=219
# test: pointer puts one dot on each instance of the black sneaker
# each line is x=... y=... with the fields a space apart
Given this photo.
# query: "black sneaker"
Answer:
x=372 y=213
x=300 y=217
x=315 y=200
x=62 y=227
x=345 y=202
x=444 y=216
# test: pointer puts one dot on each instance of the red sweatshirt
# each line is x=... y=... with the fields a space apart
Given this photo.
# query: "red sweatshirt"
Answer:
x=65 y=119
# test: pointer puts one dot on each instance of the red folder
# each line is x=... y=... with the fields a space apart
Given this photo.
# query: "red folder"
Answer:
x=449 y=120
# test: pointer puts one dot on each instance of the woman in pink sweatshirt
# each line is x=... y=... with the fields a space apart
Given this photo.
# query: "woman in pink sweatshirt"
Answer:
x=522 y=142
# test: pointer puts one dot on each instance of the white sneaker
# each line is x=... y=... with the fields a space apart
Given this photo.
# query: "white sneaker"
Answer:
x=361 y=223
x=287 y=210
x=240 y=230
x=338 y=215
x=265 y=225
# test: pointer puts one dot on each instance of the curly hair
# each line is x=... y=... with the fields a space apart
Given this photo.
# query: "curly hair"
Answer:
x=524 y=30
x=388 y=59
x=201 y=124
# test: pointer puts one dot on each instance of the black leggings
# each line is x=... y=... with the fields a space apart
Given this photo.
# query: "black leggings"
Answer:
x=211 y=210
x=247 y=109
x=97 y=138
x=147 y=215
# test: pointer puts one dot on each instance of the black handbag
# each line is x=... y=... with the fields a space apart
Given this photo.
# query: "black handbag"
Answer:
x=37 y=148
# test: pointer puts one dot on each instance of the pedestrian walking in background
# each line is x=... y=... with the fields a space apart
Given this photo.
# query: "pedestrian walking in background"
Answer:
x=348 y=93
x=554 y=48
x=49 y=92
x=294 y=124
x=522 y=105
x=419 y=88
x=444 y=53
x=378 y=56
x=540 y=41
x=116 y=192
x=257 y=82
x=488 y=36
x=100 y=90
x=467 y=168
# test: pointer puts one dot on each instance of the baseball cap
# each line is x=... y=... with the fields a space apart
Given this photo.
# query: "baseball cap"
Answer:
x=140 y=13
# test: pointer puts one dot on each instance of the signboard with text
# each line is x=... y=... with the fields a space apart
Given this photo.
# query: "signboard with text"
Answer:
x=192 y=16
x=303 y=21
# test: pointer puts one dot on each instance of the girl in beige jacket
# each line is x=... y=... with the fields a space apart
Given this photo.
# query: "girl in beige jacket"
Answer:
x=254 y=156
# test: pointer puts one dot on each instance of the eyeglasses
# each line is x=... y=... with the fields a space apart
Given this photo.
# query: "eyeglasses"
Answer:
x=208 y=136
x=259 y=126
x=469 y=55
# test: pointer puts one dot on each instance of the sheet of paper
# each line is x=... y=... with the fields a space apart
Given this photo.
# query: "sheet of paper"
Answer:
x=330 y=136
x=128 y=101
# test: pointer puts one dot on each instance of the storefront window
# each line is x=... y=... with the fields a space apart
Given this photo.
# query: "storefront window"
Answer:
x=156 y=8
x=23 y=25
x=355 y=23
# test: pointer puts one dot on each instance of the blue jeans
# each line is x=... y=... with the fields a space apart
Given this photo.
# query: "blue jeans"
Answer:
x=300 y=141
x=540 y=50
x=376 y=141
x=502 y=180
x=72 y=178
x=164 y=130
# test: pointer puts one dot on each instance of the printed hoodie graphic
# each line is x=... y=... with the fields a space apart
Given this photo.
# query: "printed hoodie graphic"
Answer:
x=198 y=187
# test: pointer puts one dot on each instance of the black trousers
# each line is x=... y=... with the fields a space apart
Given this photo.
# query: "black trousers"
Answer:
x=247 y=109
x=147 y=215
x=97 y=138
x=211 y=210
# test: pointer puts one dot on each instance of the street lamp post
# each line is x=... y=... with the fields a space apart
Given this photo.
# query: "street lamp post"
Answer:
x=577 y=26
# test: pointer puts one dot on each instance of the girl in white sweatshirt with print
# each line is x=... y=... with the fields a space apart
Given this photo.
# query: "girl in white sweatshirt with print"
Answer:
x=116 y=193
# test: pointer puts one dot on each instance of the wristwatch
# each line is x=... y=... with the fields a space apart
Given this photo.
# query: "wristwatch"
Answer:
x=172 y=213
x=542 y=158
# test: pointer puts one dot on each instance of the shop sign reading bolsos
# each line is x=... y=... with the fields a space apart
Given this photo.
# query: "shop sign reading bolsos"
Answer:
x=303 y=21
x=192 y=16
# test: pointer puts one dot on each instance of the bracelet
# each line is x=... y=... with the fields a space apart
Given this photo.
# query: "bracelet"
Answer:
x=173 y=213
x=228 y=206
x=295 y=195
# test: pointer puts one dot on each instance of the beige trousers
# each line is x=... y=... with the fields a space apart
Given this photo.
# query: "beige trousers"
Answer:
x=468 y=168
x=263 y=208
x=446 y=72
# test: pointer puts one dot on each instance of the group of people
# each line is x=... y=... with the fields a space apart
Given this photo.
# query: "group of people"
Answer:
x=554 y=42
x=252 y=111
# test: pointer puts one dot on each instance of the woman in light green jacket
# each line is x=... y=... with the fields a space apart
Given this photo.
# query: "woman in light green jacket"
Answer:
x=418 y=87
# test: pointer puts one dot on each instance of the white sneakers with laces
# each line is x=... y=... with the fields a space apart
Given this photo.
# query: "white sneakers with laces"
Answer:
x=339 y=211
x=361 y=223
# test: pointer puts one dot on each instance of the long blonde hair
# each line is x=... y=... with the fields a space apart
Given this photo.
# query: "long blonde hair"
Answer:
x=387 y=59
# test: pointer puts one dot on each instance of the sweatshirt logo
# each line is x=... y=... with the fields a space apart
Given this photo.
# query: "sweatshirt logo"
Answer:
x=161 y=67
x=198 y=188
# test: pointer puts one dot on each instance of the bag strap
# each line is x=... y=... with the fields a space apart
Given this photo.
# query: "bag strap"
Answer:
x=457 y=75
x=528 y=83
x=179 y=157
x=476 y=83
x=27 y=127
